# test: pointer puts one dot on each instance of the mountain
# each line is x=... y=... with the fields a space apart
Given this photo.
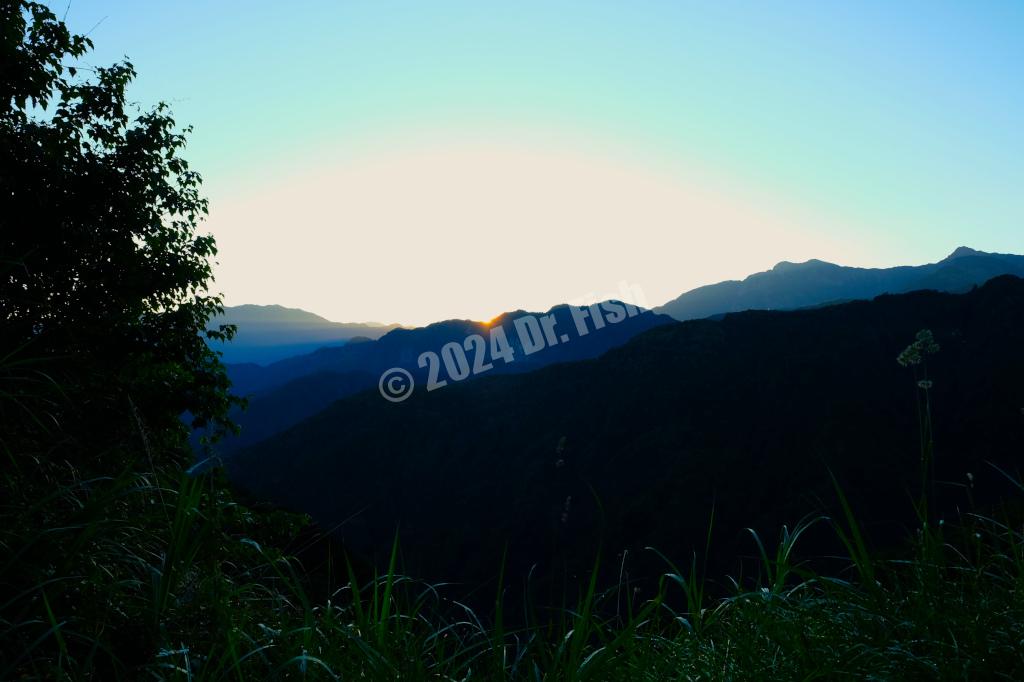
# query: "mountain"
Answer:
x=799 y=285
x=267 y=333
x=746 y=415
x=403 y=347
x=285 y=392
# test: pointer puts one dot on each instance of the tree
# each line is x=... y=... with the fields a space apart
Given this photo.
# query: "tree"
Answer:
x=104 y=276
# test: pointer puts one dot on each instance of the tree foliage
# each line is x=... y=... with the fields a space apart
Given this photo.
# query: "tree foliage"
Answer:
x=104 y=274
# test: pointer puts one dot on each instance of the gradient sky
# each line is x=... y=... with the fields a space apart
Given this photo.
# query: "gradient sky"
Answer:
x=414 y=161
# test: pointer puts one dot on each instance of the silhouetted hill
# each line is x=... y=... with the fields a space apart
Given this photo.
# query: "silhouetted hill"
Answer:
x=267 y=333
x=402 y=347
x=287 y=391
x=747 y=414
x=788 y=286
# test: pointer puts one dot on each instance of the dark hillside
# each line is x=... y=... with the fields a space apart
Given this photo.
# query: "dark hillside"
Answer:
x=748 y=413
x=286 y=392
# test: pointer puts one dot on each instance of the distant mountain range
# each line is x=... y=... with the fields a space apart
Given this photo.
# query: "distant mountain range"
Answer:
x=284 y=392
x=300 y=362
x=789 y=286
x=267 y=333
x=746 y=415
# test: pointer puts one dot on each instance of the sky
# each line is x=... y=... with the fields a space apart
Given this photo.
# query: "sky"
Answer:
x=416 y=161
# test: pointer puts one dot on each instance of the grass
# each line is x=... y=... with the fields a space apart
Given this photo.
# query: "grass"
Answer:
x=157 y=575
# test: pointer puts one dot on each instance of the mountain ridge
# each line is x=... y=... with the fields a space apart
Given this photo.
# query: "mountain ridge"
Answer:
x=284 y=392
x=789 y=285
x=268 y=333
